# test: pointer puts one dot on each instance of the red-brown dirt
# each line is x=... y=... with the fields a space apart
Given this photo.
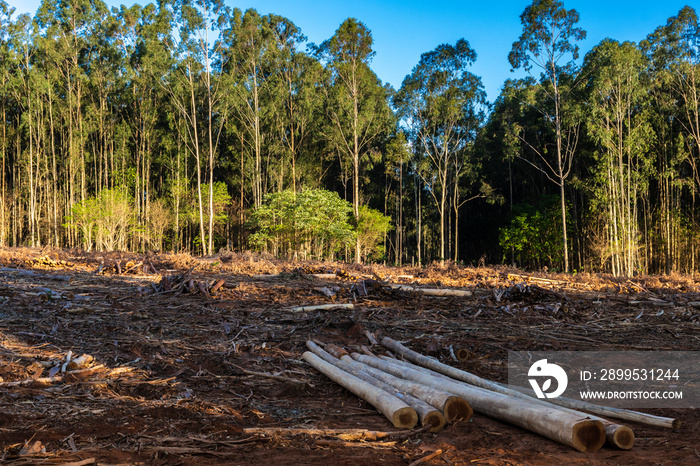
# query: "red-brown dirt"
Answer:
x=179 y=374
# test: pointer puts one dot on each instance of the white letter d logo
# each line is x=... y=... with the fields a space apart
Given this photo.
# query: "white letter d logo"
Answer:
x=542 y=368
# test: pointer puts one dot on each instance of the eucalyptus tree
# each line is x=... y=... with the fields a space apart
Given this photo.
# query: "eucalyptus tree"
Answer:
x=5 y=23
x=67 y=26
x=440 y=104
x=548 y=38
x=196 y=52
x=298 y=85
x=617 y=88
x=105 y=64
x=674 y=51
x=265 y=71
x=356 y=104
x=25 y=89
x=143 y=103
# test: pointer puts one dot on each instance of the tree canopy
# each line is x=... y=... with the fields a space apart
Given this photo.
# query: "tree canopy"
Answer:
x=188 y=125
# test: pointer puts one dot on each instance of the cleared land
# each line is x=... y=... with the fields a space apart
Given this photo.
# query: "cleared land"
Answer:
x=181 y=369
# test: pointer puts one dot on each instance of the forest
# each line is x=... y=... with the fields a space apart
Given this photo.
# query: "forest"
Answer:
x=191 y=126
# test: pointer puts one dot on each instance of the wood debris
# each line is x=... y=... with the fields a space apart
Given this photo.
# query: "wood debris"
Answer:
x=168 y=359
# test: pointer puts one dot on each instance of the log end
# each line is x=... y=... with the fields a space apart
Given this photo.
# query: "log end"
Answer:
x=676 y=424
x=462 y=354
x=588 y=435
x=619 y=436
x=336 y=350
x=456 y=408
x=434 y=419
x=405 y=418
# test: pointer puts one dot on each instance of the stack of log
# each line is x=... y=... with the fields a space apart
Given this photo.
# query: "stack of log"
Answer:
x=437 y=393
x=145 y=266
x=46 y=261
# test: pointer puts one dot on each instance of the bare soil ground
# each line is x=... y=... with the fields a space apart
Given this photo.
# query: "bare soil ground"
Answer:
x=179 y=373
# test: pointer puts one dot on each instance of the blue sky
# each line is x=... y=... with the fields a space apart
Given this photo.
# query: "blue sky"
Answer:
x=404 y=29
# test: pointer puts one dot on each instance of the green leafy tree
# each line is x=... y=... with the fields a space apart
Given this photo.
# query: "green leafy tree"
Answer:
x=372 y=229
x=313 y=221
x=6 y=30
x=83 y=220
x=67 y=26
x=139 y=34
x=114 y=218
x=263 y=64
x=533 y=233
x=548 y=37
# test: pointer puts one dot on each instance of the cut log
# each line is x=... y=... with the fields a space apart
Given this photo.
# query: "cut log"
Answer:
x=453 y=407
x=576 y=431
x=398 y=412
x=457 y=374
x=324 y=276
x=432 y=291
x=429 y=416
x=616 y=435
x=218 y=284
x=462 y=354
x=80 y=363
x=321 y=307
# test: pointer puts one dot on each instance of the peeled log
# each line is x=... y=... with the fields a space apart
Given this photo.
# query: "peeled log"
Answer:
x=429 y=416
x=576 y=431
x=452 y=407
x=472 y=379
x=616 y=435
x=321 y=307
x=399 y=413
x=433 y=291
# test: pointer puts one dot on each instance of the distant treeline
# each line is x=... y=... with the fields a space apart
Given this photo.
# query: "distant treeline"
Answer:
x=188 y=125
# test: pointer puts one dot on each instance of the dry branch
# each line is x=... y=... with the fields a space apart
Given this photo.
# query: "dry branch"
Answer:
x=429 y=457
x=321 y=307
x=269 y=376
x=432 y=291
x=398 y=412
x=343 y=434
